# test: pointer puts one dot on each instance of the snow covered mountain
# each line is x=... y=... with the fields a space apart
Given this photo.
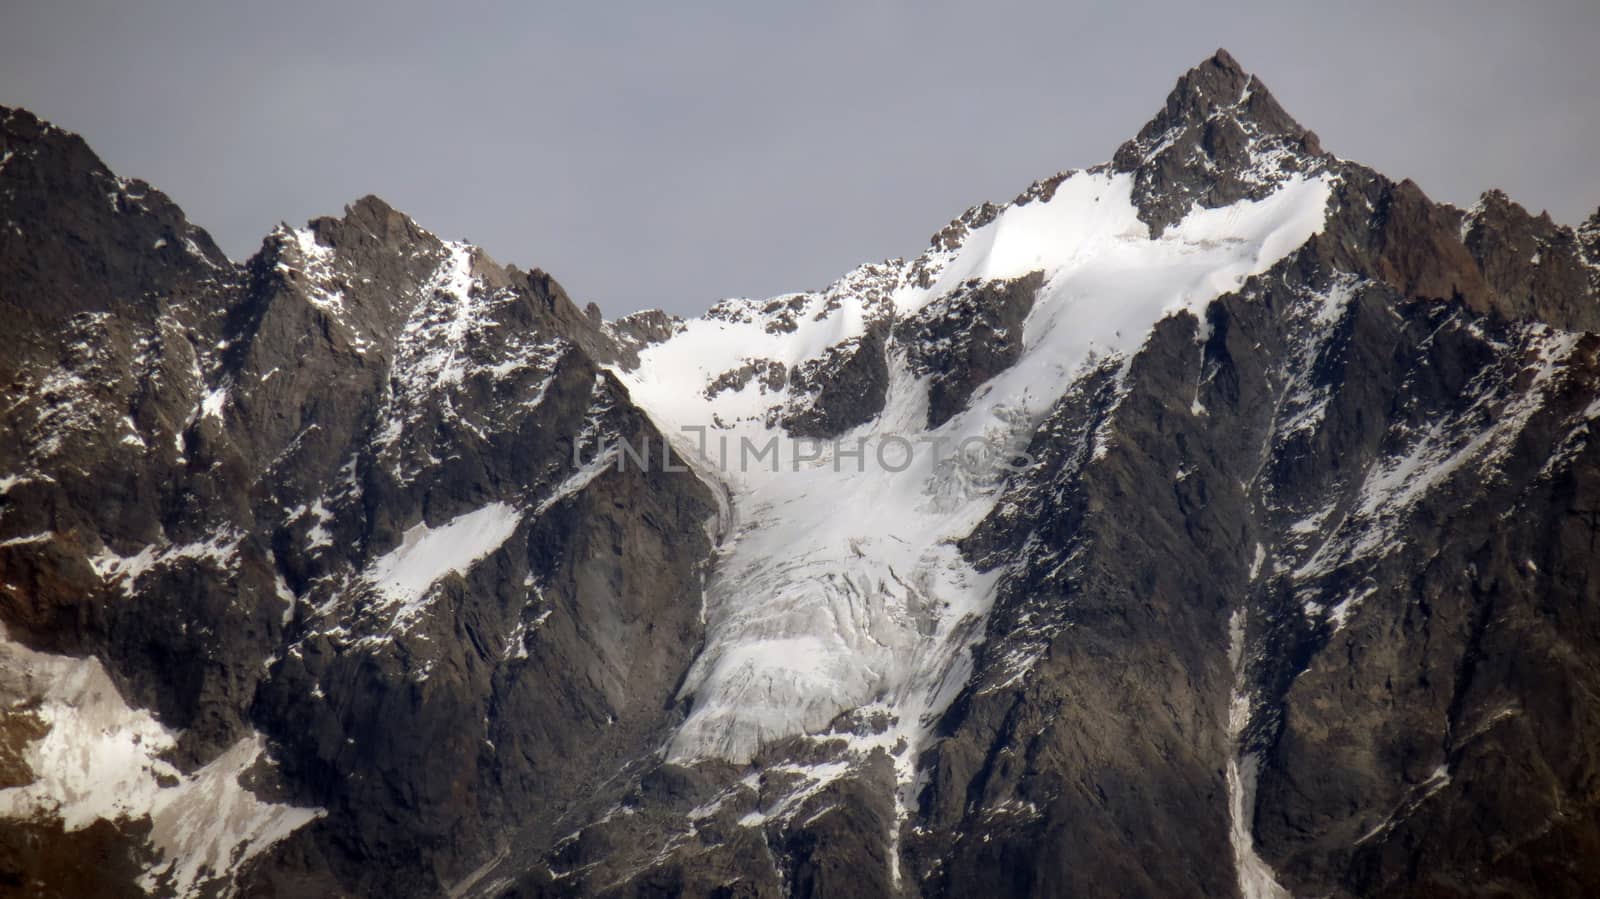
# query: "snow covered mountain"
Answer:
x=1217 y=521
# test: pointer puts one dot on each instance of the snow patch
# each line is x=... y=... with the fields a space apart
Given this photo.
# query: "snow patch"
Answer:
x=100 y=759
x=404 y=575
x=220 y=551
x=209 y=825
x=318 y=263
x=214 y=401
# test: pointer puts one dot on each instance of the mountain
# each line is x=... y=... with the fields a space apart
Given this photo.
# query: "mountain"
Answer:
x=1218 y=521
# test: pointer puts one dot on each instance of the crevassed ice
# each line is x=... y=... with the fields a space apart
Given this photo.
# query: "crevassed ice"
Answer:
x=838 y=587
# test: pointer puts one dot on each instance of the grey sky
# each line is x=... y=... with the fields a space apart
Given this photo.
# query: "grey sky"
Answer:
x=649 y=154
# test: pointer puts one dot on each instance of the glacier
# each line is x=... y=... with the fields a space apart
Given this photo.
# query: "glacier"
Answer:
x=840 y=586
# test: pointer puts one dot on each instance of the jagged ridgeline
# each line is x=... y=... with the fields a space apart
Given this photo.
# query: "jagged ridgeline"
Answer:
x=1218 y=521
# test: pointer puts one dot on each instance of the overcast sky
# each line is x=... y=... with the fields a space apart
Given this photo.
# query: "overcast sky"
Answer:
x=658 y=154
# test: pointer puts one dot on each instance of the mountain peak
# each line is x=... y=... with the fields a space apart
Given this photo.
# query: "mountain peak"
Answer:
x=1223 y=59
x=382 y=221
x=1219 y=85
x=1220 y=138
x=368 y=225
x=1219 y=76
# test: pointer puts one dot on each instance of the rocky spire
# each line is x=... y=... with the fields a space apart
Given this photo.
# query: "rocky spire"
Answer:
x=1220 y=87
x=1220 y=138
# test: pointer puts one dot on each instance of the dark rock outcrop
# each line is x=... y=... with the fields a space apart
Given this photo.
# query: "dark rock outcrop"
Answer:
x=844 y=388
x=965 y=338
x=1220 y=138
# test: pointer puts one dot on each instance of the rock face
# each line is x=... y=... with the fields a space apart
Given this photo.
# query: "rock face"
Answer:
x=336 y=497
x=967 y=337
x=843 y=388
x=1219 y=521
x=1221 y=138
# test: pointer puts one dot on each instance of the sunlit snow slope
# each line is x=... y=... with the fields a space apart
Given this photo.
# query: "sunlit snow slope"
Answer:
x=839 y=586
x=99 y=759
